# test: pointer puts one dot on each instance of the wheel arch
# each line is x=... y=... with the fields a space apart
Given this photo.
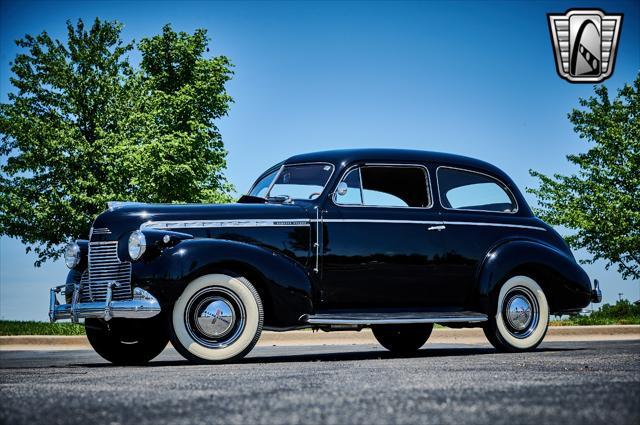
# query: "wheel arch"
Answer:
x=565 y=284
x=283 y=284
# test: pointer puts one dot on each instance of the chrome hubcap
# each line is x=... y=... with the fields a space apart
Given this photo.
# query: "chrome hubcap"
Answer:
x=215 y=317
x=520 y=312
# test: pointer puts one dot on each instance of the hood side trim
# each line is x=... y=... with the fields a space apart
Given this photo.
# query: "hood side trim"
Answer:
x=194 y=224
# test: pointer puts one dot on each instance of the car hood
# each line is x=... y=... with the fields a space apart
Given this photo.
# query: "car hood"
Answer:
x=118 y=222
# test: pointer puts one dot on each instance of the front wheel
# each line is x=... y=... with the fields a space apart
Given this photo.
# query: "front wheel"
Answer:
x=402 y=339
x=521 y=316
x=217 y=318
x=127 y=341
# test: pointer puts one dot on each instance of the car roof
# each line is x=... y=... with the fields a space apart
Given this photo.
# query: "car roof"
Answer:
x=345 y=156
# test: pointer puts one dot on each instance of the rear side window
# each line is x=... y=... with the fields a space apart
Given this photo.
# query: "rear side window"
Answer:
x=469 y=190
x=386 y=186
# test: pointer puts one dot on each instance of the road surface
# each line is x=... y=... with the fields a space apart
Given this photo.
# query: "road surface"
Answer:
x=561 y=382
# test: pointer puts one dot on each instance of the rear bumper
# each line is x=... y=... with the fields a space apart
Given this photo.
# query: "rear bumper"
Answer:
x=596 y=293
x=143 y=305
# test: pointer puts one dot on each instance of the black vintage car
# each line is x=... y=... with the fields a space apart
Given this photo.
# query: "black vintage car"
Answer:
x=395 y=240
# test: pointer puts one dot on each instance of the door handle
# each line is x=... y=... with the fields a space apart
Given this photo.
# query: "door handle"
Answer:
x=438 y=227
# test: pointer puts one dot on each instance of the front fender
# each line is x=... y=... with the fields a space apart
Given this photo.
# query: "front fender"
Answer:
x=565 y=283
x=284 y=285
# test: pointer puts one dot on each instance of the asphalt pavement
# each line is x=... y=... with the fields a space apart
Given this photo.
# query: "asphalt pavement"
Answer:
x=560 y=383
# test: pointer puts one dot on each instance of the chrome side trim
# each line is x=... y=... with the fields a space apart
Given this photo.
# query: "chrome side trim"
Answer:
x=358 y=220
x=476 y=318
x=500 y=183
x=458 y=223
x=300 y=222
x=195 y=224
x=473 y=223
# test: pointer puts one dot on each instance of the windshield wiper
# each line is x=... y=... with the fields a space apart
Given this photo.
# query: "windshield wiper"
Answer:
x=284 y=199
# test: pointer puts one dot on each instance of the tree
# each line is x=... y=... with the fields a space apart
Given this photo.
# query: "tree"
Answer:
x=601 y=201
x=84 y=127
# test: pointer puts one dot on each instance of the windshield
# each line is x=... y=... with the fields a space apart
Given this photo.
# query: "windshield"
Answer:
x=301 y=181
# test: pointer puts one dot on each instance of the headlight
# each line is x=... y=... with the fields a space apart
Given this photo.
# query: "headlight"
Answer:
x=137 y=245
x=72 y=255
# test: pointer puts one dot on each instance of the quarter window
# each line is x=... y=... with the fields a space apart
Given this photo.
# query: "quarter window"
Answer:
x=468 y=190
x=386 y=186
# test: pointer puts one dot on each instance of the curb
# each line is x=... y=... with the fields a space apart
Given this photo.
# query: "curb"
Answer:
x=305 y=337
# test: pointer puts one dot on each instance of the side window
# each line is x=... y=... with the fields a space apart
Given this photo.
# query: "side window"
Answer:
x=386 y=186
x=468 y=190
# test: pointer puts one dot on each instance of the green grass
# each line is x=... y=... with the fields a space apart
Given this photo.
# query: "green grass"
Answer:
x=9 y=327
x=622 y=313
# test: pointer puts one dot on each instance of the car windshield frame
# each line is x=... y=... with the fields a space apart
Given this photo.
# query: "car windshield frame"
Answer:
x=282 y=168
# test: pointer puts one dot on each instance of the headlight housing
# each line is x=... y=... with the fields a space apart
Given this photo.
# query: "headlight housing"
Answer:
x=137 y=245
x=72 y=255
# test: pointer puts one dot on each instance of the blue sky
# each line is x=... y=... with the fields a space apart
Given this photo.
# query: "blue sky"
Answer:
x=473 y=78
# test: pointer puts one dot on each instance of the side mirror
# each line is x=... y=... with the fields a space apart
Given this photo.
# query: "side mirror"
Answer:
x=342 y=189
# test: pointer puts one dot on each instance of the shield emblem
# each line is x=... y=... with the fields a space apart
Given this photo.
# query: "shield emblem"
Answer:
x=585 y=44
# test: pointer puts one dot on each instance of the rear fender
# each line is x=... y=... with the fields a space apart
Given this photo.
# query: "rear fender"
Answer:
x=566 y=285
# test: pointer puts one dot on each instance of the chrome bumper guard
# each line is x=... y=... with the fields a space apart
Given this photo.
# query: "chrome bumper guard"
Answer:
x=596 y=293
x=143 y=305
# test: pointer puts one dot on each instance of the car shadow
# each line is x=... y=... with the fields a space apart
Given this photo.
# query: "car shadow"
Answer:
x=339 y=356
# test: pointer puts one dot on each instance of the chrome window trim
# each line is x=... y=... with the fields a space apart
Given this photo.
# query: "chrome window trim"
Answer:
x=388 y=165
x=324 y=188
x=265 y=174
x=501 y=184
x=274 y=181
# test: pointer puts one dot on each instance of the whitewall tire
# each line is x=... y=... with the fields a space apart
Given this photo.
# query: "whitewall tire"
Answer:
x=217 y=318
x=521 y=316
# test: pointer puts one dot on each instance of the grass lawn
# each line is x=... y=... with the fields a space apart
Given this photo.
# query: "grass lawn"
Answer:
x=9 y=327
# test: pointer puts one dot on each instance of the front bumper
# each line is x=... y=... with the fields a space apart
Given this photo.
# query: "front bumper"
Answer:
x=143 y=305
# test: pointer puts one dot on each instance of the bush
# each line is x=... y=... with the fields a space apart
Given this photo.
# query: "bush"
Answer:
x=623 y=312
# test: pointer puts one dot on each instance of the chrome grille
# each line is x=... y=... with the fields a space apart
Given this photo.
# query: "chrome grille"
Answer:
x=99 y=231
x=105 y=267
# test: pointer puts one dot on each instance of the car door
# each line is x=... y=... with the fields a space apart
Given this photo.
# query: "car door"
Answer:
x=381 y=243
x=478 y=212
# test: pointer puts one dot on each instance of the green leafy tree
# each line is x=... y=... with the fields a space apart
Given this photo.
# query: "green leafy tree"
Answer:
x=83 y=127
x=601 y=201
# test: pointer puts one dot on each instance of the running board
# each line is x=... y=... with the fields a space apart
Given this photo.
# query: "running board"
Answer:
x=392 y=318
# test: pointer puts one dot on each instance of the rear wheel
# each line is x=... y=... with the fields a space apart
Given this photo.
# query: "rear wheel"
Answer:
x=127 y=341
x=402 y=339
x=521 y=316
x=217 y=318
